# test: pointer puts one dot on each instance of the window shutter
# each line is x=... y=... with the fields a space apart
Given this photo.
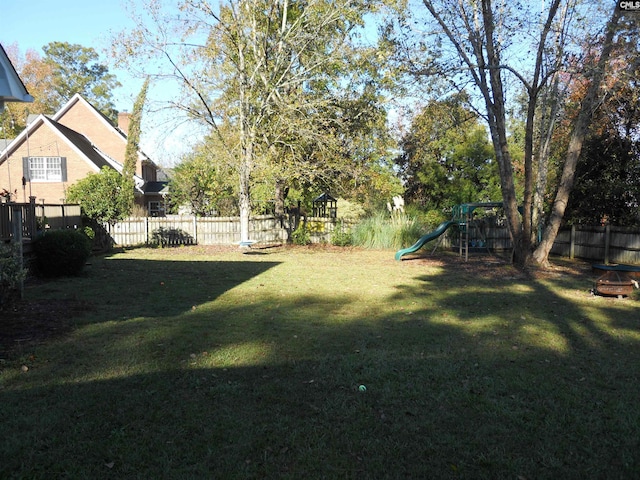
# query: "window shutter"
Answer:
x=25 y=168
x=63 y=168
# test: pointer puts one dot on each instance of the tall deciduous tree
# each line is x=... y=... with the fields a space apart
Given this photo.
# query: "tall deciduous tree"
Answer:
x=607 y=182
x=52 y=79
x=263 y=66
x=579 y=133
x=77 y=69
x=491 y=47
x=446 y=157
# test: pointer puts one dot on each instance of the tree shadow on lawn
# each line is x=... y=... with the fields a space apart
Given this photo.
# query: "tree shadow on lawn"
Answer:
x=161 y=287
x=499 y=381
x=117 y=289
x=568 y=361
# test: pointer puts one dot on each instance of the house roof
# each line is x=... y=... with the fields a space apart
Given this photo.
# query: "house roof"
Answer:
x=161 y=188
x=11 y=87
x=78 y=142
x=102 y=118
x=325 y=197
x=81 y=144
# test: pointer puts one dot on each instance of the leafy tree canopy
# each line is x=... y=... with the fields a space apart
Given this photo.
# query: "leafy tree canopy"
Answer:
x=607 y=182
x=203 y=184
x=446 y=157
x=52 y=79
x=101 y=196
x=275 y=80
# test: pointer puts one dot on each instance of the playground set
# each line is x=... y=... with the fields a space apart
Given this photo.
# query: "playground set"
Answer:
x=613 y=280
x=470 y=234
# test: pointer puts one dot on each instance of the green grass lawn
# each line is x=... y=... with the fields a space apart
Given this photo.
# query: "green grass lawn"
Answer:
x=192 y=363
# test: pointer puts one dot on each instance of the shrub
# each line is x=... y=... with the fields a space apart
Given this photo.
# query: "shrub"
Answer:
x=12 y=273
x=61 y=252
x=341 y=235
x=350 y=209
x=301 y=235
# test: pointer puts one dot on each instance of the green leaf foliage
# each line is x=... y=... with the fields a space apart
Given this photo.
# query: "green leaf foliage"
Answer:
x=77 y=69
x=203 y=184
x=61 y=252
x=11 y=273
x=607 y=187
x=446 y=157
x=133 y=146
x=101 y=196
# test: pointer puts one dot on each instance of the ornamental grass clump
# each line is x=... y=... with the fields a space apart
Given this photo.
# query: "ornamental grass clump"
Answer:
x=61 y=252
x=383 y=230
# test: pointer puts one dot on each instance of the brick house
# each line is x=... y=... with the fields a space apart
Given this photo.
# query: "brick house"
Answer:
x=55 y=152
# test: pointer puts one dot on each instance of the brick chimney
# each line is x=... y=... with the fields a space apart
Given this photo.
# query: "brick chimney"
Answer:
x=123 y=122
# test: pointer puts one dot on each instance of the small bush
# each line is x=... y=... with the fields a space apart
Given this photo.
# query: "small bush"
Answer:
x=61 y=252
x=301 y=235
x=341 y=235
x=350 y=209
x=11 y=273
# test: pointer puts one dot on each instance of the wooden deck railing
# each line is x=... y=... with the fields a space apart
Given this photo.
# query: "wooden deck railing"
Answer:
x=9 y=215
x=36 y=217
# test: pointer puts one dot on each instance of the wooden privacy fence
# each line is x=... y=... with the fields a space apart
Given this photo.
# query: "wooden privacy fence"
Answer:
x=12 y=213
x=602 y=244
x=191 y=230
x=58 y=217
x=608 y=244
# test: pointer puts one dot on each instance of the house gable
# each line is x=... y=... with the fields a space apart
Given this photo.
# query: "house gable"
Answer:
x=77 y=141
x=46 y=139
x=79 y=115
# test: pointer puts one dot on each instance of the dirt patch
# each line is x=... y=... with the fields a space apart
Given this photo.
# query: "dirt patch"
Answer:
x=480 y=266
x=27 y=323
x=499 y=267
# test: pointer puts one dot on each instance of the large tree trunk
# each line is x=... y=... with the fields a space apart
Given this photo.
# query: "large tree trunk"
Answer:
x=244 y=199
x=498 y=128
x=280 y=197
x=541 y=254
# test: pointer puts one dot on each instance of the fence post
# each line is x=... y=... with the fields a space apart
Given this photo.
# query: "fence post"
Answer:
x=572 y=249
x=31 y=217
x=195 y=229
x=607 y=243
x=17 y=237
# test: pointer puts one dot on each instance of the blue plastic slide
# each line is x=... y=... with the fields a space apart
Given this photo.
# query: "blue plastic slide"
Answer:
x=426 y=238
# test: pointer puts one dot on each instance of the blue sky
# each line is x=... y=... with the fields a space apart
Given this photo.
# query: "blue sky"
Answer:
x=90 y=23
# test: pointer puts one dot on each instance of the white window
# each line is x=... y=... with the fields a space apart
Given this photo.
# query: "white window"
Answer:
x=45 y=169
x=156 y=209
